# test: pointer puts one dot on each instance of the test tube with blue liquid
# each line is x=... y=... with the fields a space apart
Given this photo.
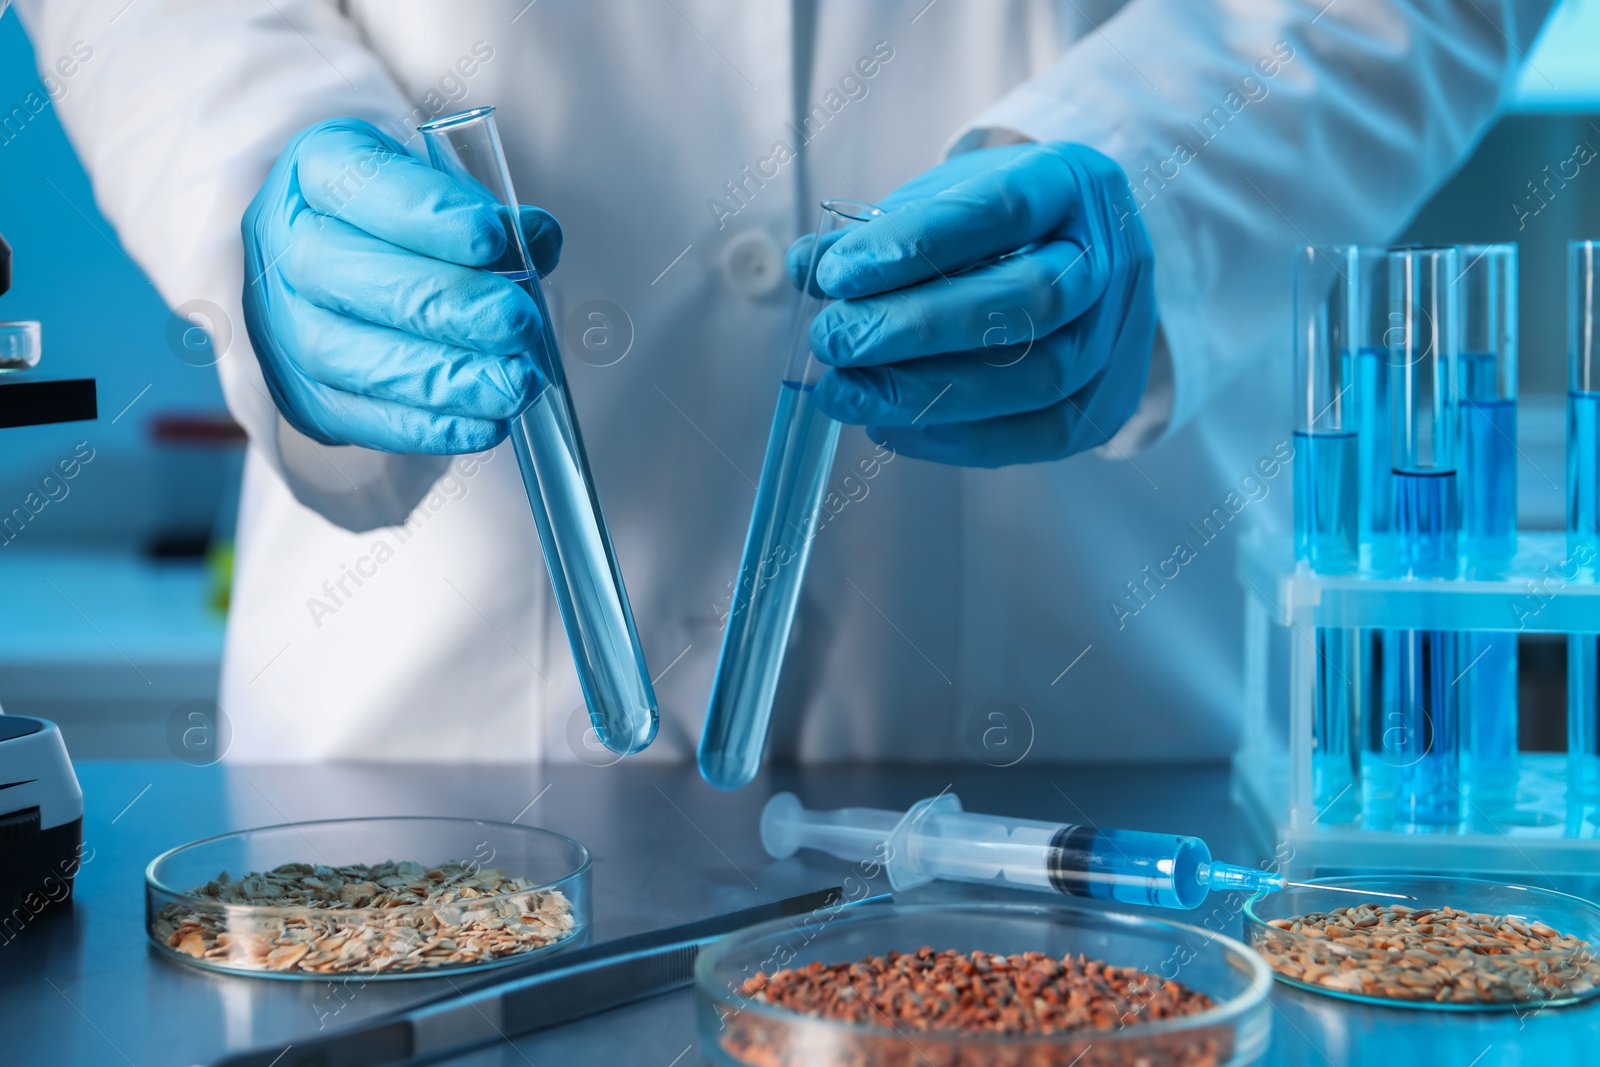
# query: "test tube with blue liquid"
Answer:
x=1421 y=712
x=1488 y=486
x=1372 y=408
x=1583 y=512
x=794 y=477
x=555 y=470
x=1375 y=513
x=1326 y=483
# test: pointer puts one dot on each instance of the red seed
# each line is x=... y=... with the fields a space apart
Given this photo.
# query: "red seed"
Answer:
x=1017 y=994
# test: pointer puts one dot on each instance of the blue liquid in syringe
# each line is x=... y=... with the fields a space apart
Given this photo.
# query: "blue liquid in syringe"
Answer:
x=1488 y=484
x=1583 y=543
x=1421 y=715
x=1119 y=865
x=1326 y=538
x=581 y=562
x=794 y=476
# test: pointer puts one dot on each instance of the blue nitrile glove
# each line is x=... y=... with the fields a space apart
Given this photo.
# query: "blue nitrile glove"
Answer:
x=1034 y=357
x=365 y=299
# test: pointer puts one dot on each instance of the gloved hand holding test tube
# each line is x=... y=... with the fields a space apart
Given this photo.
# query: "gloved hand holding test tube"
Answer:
x=935 y=839
x=997 y=309
x=572 y=532
x=403 y=320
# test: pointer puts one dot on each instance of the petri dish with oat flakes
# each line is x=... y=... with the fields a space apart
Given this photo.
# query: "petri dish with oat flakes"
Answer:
x=1461 y=945
x=381 y=898
x=741 y=1028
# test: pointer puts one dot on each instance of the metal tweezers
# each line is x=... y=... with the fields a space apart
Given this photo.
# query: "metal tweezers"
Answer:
x=545 y=993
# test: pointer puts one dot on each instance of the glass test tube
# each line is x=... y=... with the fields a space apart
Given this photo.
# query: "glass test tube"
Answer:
x=1326 y=482
x=783 y=522
x=1421 y=705
x=555 y=470
x=1375 y=514
x=1583 y=511
x=1487 y=482
x=1372 y=395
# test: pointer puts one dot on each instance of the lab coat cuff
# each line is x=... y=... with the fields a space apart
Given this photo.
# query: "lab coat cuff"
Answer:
x=1152 y=419
x=358 y=489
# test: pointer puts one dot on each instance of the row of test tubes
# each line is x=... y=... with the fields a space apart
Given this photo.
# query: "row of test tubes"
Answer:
x=1405 y=467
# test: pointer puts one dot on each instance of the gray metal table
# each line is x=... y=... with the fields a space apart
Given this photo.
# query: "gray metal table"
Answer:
x=80 y=986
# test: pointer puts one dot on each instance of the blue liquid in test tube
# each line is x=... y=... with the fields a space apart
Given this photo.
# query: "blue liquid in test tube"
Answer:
x=1583 y=539
x=1326 y=506
x=1421 y=732
x=1489 y=453
x=1583 y=514
x=582 y=564
x=1583 y=532
x=772 y=569
x=1420 y=666
x=777 y=547
x=1488 y=487
x=555 y=470
x=1377 y=466
x=1325 y=514
x=1325 y=463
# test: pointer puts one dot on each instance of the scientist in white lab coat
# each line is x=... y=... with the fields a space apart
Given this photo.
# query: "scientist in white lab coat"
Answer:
x=975 y=574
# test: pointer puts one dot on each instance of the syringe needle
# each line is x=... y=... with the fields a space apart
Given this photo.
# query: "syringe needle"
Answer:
x=1349 y=889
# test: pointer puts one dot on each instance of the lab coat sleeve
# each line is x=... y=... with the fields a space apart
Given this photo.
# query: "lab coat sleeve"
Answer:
x=1248 y=128
x=177 y=113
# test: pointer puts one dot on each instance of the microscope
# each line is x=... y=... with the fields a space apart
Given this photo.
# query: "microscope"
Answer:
x=41 y=804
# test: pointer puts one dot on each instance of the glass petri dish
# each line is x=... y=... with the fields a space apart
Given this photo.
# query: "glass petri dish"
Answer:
x=475 y=931
x=1529 y=979
x=736 y=1031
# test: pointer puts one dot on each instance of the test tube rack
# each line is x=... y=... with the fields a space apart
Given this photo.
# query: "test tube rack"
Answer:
x=1548 y=829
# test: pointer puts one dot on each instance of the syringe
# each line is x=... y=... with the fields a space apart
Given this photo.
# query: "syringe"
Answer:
x=936 y=839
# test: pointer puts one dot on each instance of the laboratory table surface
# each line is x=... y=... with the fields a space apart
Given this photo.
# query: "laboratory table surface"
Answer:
x=80 y=985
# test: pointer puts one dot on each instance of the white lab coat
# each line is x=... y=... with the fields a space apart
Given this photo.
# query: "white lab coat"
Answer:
x=947 y=613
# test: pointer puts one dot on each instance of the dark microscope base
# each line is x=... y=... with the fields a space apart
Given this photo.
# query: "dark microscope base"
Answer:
x=36 y=867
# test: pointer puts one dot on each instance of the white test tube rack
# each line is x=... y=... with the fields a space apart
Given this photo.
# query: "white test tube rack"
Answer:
x=1549 y=829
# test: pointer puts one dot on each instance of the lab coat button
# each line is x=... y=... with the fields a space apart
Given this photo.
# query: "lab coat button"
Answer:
x=752 y=264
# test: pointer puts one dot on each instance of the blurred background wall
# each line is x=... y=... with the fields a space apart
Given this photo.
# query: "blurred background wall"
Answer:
x=111 y=622
x=101 y=318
